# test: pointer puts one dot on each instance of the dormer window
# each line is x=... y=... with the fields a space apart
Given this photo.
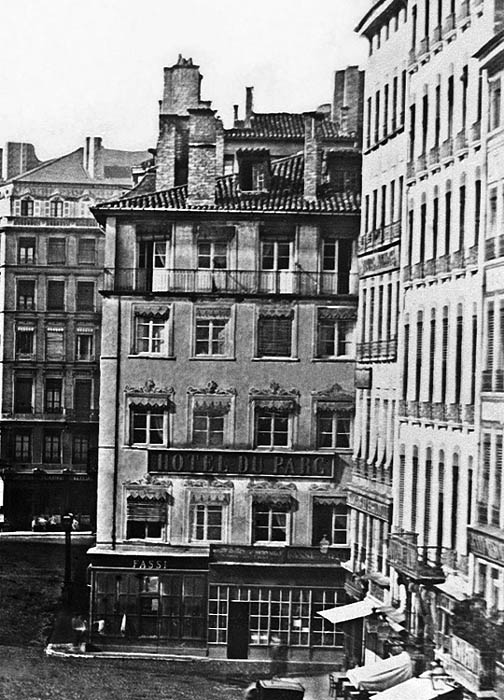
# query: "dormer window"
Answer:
x=254 y=170
x=343 y=173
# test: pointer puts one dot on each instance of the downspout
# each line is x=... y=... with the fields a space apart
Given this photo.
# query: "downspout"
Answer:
x=117 y=424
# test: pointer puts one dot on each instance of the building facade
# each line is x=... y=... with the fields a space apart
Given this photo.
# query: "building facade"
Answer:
x=230 y=302
x=50 y=316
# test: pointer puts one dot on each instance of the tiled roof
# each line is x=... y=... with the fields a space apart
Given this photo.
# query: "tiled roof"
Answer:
x=282 y=125
x=285 y=195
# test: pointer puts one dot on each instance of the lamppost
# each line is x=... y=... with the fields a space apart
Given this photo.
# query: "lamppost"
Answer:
x=67 y=520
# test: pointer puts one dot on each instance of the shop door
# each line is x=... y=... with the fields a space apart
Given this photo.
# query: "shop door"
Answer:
x=238 y=630
x=194 y=607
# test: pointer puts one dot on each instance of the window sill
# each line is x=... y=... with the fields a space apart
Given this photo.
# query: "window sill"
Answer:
x=150 y=356
x=267 y=543
x=145 y=446
x=275 y=359
x=342 y=358
x=213 y=358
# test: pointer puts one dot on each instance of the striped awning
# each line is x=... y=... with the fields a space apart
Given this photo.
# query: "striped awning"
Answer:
x=278 y=499
x=212 y=405
x=153 y=312
x=210 y=496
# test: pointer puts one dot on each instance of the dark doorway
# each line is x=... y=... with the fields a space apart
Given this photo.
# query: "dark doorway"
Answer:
x=238 y=630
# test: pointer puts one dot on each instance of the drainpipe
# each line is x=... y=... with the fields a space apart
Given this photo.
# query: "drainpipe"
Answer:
x=117 y=426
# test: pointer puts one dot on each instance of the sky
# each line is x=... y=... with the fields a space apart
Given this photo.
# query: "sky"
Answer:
x=76 y=68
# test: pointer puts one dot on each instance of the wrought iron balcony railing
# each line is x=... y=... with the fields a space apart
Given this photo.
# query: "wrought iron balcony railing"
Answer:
x=377 y=350
x=436 y=34
x=449 y=24
x=434 y=156
x=476 y=131
x=379 y=237
x=474 y=668
x=461 y=140
x=183 y=281
x=419 y=563
x=52 y=221
x=447 y=148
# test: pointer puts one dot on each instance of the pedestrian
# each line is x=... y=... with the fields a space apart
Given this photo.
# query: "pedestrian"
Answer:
x=79 y=627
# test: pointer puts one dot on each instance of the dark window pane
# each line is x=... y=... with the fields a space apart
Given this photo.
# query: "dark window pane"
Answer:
x=55 y=295
x=85 y=296
x=275 y=337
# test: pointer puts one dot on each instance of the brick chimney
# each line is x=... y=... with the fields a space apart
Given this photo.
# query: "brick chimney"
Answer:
x=249 y=106
x=93 y=157
x=18 y=158
x=182 y=83
x=203 y=170
x=312 y=155
x=348 y=100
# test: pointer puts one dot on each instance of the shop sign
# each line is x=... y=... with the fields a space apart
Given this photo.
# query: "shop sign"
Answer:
x=241 y=463
x=276 y=555
x=379 y=262
x=483 y=546
x=368 y=505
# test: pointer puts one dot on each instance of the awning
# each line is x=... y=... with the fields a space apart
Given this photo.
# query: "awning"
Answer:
x=281 y=500
x=454 y=587
x=382 y=674
x=353 y=611
x=419 y=689
x=214 y=496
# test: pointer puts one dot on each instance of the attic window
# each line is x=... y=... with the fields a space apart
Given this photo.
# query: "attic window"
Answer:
x=254 y=171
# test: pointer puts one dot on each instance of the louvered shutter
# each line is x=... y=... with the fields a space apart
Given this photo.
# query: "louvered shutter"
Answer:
x=427 y=499
x=419 y=348
x=432 y=357
x=496 y=506
x=444 y=357
x=414 y=490
x=275 y=337
x=402 y=471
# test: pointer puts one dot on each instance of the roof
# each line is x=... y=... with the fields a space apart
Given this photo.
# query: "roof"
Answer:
x=282 y=125
x=285 y=195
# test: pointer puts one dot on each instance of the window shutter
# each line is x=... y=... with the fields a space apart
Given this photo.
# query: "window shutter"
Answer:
x=432 y=357
x=54 y=344
x=56 y=250
x=496 y=506
x=82 y=395
x=444 y=355
x=427 y=501
x=402 y=470
x=414 y=490
x=23 y=395
x=275 y=337
x=419 y=348
x=55 y=295
x=85 y=296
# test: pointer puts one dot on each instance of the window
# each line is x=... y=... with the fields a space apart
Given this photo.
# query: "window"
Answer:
x=53 y=395
x=337 y=256
x=56 y=208
x=276 y=255
x=55 y=295
x=269 y=523
x=56 y=251
x=55 y=343
x=25 y=341
x=494 y=116
x=87 y=251
x=148 y=426
x=22 y=440
x=211 y=336
x=212 y=255
x=83 y=390
x=26 y=251
x=23 y=392
x=335 y=336
x=146 y=515
x=208 y=429
x=84 y=345
x=272 y=429
x=85 y=296
x=26 y=207
x=25 y=294
x=52 y=446
x=333 y=431
x=329 y=520
x=207 y=522
x=80 y=448
x=274 y=335
x=151 y=335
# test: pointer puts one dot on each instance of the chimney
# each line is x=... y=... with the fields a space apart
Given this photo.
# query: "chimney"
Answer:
x=348 y=99
x=18 y=158
x=249 y=106
x=181 y=90
x=235 y=110
x=312 y=156
x=93 y=157
x=202 y=172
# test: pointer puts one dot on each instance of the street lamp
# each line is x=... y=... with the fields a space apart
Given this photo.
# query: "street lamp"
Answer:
x=67 y=520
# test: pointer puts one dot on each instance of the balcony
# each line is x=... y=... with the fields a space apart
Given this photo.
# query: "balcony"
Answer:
x=457 y=260
x=423 y=48
x=490 y=249
x=447 y=149
x=380 y=237
x=476 y=131
x=461 y=141
x=419 y=563
x=412 y=58
x=422 y=163
x=472 y=255
x=449 y=25
x=464 y=16
x=82 y=415
x=434 y=156
x=470 y=666
x=222 y=282
x=52 y=222
x=410 y=170
x=381 y=350
x=443 y=264
x=436 y=35
x=492 y=380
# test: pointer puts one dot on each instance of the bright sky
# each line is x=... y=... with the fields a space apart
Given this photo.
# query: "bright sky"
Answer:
x=72 y=68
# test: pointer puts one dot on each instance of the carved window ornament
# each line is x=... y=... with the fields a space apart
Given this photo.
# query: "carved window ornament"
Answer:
x=211 y=398
x=334 y=400
x=222 y=312
x=275 y=398
x=160 y=313
x=150 y=396
x=278 y=495
x=147 y=499
x=337 y=313
x=276 y=311
x=214 y=232
x=206 y=491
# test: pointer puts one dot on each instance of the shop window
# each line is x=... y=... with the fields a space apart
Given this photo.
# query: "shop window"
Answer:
x=23 y=395
x=53 y=398
x=26 y=207
x=207 y=522
x=52 y=446
x=25 y=341
x=84 y=345
x=335 y=337
x=269 y=523
x=272 y=429
x=333 y=431
x=329 y=520
x=86 y=254
x=85 y=296
x=25 y=298
x=80 y=448
x=274 y=336
x=151 y=335
x=208 y=429
x=56 y=208
x=55 y=295
x=146 y=515
x=55 y=344
x=26 y=251
x=56 y=251
x=22 y=440
x=148 y=426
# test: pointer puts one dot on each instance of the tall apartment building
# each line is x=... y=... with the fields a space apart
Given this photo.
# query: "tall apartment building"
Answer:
x=380 y=296
x=51 y=269
x=229 y=304
x=440 y=470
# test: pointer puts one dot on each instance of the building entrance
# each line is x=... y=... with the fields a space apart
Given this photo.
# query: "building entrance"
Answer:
x=238 y=630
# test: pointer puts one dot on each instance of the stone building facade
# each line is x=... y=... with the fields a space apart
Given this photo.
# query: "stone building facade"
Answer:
x=229 y=304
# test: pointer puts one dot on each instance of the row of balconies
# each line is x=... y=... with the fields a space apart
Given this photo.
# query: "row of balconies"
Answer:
x=418 y=562
x=443 y=153
x=494 y=247
x=381 y=350
x=451 y=262
x=437 y=411
x=184 y=281
x=474 y=668
x=380 y=237
x=51 y=221
x=63 y=413
x=372 y=472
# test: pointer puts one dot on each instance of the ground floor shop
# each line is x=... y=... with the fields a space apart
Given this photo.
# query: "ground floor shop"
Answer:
x=235 y=611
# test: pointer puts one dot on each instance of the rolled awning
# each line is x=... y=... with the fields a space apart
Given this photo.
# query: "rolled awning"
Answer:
x=352 y=611
x=382 y=674
x=215 y=496
x=277 y=499
x=420 y=689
